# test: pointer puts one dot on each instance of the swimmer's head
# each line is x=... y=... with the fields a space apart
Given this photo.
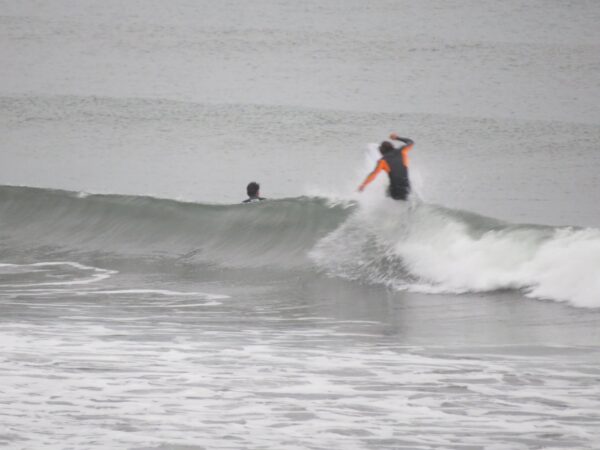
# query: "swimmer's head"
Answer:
x=252 y=189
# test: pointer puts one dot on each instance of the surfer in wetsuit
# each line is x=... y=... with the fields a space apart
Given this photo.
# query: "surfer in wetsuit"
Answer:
x=253 y=193
x=394 y=161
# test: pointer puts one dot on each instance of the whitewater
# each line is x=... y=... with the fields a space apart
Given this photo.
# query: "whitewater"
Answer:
x=433 y=249
x=143 y=307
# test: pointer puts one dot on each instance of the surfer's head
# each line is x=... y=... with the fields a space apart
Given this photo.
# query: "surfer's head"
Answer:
x=385 y=147
x=252 y=189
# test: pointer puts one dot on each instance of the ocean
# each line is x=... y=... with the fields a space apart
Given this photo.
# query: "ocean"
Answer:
x=142 y=306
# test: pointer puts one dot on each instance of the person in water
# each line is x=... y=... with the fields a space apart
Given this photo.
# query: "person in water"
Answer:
x=394 y=161
x=252 y=190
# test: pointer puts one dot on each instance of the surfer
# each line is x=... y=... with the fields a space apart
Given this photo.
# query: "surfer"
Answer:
x=253 y=193
x=394 y=161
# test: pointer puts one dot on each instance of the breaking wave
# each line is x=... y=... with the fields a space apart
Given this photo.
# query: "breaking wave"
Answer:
x=428 y=248
x=416 y=247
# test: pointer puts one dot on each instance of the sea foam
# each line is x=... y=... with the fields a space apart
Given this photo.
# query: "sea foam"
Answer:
x=428 y=248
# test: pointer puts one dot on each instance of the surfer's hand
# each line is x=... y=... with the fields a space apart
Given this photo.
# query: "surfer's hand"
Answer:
x=393 y=136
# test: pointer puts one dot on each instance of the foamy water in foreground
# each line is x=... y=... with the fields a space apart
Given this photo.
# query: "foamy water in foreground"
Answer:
x=172 y=375
x=98 y=364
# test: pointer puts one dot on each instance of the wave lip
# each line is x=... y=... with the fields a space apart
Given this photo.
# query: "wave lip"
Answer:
x=427 y=248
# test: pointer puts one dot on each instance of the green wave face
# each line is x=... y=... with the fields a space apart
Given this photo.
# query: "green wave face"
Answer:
x=272 y=233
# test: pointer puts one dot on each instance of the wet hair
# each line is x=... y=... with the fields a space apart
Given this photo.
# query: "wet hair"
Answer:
x=385 y=147
x=252 y=189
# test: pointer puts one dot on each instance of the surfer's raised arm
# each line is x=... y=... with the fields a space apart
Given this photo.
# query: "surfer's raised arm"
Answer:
x=409 y=142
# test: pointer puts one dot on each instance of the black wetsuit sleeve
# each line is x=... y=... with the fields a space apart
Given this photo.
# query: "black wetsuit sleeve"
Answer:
x=407 y=141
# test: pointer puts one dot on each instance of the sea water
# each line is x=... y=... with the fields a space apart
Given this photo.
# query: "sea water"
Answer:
x=143 y=307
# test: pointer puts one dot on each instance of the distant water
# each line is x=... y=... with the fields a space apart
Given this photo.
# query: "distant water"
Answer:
x=143 y=307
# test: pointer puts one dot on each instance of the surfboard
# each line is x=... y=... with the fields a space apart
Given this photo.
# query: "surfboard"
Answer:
x=372 y=154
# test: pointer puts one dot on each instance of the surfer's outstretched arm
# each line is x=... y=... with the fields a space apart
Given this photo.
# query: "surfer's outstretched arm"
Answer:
x=381 y=165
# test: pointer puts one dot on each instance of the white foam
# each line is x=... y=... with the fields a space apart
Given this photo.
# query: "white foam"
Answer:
x=428 y=249
x=73 y=285
x=567 y=268
x=268 y=387
x=97 y=274
x=164 y=292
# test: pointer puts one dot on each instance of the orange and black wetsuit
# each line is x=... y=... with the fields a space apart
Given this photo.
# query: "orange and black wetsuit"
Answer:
x=395 y=163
